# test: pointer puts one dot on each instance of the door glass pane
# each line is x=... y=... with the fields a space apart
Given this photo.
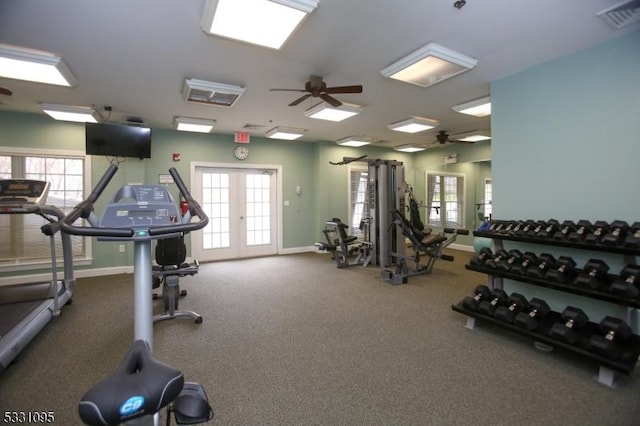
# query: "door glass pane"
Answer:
x=258 y=209
x=215 y=203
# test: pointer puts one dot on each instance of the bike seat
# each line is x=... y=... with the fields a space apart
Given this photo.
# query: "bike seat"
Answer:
x=140 y=386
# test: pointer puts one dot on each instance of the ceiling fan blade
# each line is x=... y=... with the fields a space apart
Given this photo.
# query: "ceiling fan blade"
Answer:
x=5 y=91
x=344 y=89
x=330 y=100
x=454 y=141
x=300 y=99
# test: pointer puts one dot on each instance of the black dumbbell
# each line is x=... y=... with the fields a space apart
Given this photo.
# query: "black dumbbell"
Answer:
x=574 y=319
x=628 y=282
x=615 y=332
x=512 y=259
x=488 y=307
x=515 y=303
x=600 y=229
x=545 y=262
x=593 y=274
x=481 y=292
x=528 y=259
x=524 y=229
x=583 y=228
x=537 y=228
x=567 y=227
x=497 y=225
x=485 y=253
x=538 y=309
x=563 y=271
x=508 y=227
x=633 y=237
x=550 y=227
x=517 y=227
x=617 y=232
x=500 y=256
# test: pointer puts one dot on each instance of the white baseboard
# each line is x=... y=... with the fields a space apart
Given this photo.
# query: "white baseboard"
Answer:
x=296 y=250
x=462 y=247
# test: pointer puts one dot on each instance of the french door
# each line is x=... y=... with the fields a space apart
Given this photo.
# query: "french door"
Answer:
x=242 y=207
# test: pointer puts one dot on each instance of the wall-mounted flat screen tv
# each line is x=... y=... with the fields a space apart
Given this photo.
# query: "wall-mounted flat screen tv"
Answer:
x=118 y=140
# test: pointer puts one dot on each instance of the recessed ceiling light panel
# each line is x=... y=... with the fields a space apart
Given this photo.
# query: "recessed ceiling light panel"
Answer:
x=79 y=114
x=324 y=111
x=429 y=65
x=477 y=107
x=267 y=23
x=287 y=133
x=472 y=136
x=199 y=125
x=355 y=141
x=34 y=65
x=414 y=125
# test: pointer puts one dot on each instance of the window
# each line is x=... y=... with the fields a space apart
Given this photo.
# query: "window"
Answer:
x=357 y=199
x=445 y=200
x=27 y=245
x=488 y=197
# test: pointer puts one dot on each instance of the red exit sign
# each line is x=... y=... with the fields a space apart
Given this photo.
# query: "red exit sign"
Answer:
x=241 y=137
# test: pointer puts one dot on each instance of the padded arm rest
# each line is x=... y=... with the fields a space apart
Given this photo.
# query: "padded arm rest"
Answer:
x=140 y=386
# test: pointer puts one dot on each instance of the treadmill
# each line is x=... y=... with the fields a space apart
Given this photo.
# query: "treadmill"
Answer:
x=26 y=308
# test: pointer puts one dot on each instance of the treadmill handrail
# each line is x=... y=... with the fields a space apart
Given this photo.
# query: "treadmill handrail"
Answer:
x=85 y=207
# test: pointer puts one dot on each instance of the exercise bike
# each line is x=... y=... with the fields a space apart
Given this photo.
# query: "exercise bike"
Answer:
x=141 y=386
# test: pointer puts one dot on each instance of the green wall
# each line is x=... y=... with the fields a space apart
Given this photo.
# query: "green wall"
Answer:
x=566 y=146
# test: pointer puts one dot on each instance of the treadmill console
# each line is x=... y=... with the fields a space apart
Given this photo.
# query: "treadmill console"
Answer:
x=15 y=193
x=141 y=207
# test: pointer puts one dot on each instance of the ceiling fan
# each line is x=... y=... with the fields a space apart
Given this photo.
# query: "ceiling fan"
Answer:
x=5 y=91
x=318 y=89
x=443 y=138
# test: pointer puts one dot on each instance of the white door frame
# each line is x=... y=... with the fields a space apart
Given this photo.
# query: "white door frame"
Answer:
x=244 y=166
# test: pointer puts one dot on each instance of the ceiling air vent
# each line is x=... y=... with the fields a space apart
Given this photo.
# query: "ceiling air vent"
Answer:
x=210 y=93
x=622 y=14
x=250 y=127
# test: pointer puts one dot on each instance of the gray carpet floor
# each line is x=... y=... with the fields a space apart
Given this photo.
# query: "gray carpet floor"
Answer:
x=292 y=340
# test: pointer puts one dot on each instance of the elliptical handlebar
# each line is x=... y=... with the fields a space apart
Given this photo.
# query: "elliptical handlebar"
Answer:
x=85 y=207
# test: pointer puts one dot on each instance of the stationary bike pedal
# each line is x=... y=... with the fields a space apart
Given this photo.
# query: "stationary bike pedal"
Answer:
x=191 y=406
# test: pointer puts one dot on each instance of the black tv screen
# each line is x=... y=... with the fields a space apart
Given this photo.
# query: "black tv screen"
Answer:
x=118 y=140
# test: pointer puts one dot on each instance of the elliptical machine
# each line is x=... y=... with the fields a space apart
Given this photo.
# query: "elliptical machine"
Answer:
x=141 y=386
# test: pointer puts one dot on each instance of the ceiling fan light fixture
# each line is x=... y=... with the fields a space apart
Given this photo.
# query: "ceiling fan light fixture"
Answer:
x=414 y=125
x=410 y=148
x=198 y=125
x=78 y=114
x=478 y=107
x=267 y=23
x=286 y=133
x=429 y=65
x=34 y=65
x=472 y=136
x=324 y=111
x=355 y=141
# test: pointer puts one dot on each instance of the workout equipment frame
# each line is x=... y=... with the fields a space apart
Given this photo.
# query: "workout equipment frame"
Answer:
x=139 y=224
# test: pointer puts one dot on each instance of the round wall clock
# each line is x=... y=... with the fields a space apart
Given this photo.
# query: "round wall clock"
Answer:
x=241 y=152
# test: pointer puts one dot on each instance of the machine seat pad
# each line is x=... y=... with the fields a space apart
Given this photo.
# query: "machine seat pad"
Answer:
x=140 y=386
x=433 y=239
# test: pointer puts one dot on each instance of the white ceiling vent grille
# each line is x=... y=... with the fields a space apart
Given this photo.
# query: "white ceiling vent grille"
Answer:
x=250 y=127
x=210 y=93
x=622 y=14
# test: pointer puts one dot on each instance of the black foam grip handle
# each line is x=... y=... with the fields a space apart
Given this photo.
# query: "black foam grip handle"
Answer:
x=446 y=257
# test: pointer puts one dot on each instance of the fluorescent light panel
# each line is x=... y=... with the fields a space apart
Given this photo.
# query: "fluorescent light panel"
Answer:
x=199 y=125
x=34 y=65
x=429 y=65
x=414 y=125
x=286 y=133
x=409 y=148
x=472 y=136
x=79 y=114
x=477 y=107
x=266 y=23
x=354 y=141
x=324 y=111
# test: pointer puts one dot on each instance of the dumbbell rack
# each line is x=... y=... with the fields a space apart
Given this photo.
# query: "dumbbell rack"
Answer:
x=630 y=351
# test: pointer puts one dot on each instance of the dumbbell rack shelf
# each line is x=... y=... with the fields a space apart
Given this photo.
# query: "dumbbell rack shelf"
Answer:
x=630 y=351
x=566 y=287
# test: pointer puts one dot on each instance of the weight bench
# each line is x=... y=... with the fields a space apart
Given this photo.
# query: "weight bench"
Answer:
x=343 y=246
x=430 y=245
